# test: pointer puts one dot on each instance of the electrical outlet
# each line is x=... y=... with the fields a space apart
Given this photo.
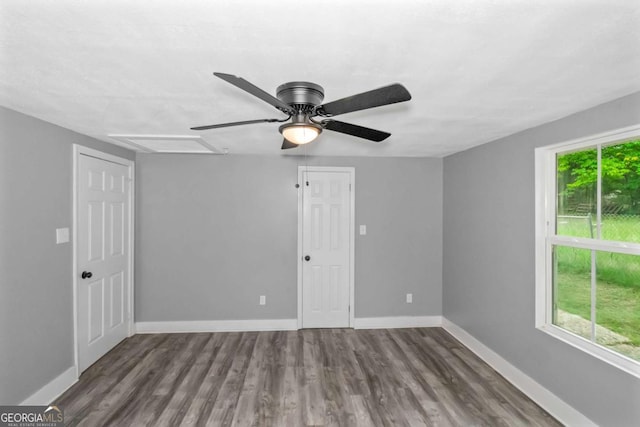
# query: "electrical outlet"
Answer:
x=409 y=298
x=263 y=300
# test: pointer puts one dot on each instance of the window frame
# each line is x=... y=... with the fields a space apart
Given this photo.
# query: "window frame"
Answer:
x=546 y=238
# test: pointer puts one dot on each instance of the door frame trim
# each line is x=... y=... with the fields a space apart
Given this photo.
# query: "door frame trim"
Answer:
x=81 y=150
x=352 y=195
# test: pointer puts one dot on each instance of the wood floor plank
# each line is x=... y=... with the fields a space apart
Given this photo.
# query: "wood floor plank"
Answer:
x=230 y=391
x=174 y=360
x=382 y=382
x=272 y=388
x=140 y=379
x=341 y=377
x=249 y=399
x=449 y=393
x=203 y=399
x=103 y=375
x=180 y=398
x=361 y=411
x=422 y=395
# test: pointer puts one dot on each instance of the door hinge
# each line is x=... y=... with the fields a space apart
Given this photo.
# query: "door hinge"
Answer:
x=349 y=187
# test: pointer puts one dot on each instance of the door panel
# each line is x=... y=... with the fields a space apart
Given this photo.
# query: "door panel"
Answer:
x=117 y=237
x=102 y=234
x=95 y=306
x=326 y=228
x=95 y=217
x=116 y=295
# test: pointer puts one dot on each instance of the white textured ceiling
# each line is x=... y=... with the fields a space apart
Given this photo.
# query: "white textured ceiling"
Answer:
x=477 y=69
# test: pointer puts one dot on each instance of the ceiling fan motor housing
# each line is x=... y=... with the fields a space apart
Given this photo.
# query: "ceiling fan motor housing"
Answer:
x=302 y=96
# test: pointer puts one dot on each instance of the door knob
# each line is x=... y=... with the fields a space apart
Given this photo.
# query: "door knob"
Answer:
x=86 y=275
x=307 y=258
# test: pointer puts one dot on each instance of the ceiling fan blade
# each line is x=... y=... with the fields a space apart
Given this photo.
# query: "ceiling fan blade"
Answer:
x=286 y=144
x=225 y=125
x=255 y=91
x=355 y=130
x=373 y=98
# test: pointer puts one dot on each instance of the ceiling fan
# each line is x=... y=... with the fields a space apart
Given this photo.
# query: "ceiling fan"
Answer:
x=301 y=102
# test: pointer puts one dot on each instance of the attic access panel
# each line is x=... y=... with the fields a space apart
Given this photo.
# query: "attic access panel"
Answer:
x=167 y=143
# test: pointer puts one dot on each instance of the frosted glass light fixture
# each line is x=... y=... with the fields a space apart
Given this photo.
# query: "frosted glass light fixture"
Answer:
x=300 y=132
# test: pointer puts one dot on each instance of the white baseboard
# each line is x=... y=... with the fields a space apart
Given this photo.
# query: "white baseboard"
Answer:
x=279 y=324
x=54 y=388
x=397 y=322
x=217 y=326
x=551 y=403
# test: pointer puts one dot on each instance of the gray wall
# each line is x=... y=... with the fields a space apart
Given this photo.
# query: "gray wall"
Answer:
x=215 y=232
x=36 y=295
x=489 y=264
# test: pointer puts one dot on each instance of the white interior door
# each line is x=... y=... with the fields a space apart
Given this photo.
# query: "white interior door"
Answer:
x=326 y=242
x=102 y=258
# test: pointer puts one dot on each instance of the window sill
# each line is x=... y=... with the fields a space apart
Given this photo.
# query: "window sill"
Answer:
x=598 y=351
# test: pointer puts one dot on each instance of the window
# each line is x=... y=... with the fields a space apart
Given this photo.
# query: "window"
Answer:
x=588 y=245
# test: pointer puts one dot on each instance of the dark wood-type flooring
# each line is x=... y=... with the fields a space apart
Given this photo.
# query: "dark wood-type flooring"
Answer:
x=385 y=377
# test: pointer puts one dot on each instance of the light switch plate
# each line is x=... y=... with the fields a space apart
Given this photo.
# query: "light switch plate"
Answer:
x=263 y=299
x=409 y=298
x=363 y=230
x=62 y=235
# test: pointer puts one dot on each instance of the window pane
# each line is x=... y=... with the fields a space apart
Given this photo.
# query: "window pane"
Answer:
x=618 y=302
x=621 y=192
x=572 y=290
x=576 y=181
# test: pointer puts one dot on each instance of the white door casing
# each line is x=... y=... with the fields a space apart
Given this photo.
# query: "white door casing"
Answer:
x=326 y=237
x=103 y=249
